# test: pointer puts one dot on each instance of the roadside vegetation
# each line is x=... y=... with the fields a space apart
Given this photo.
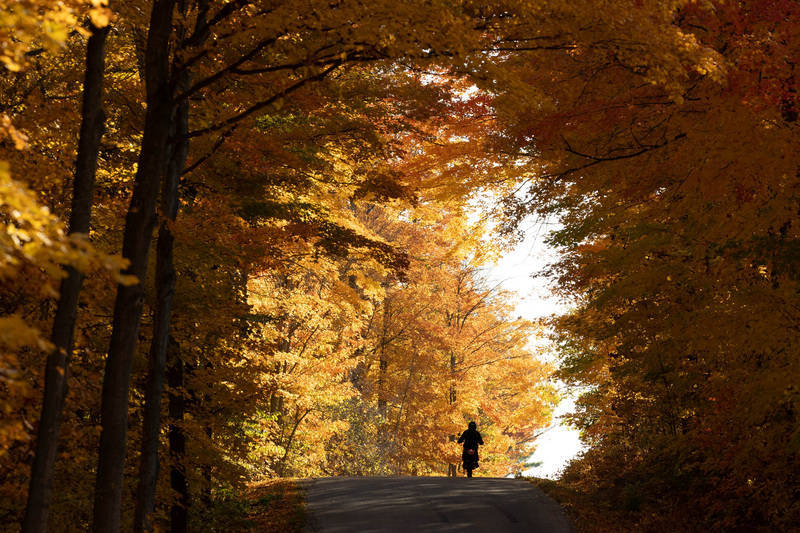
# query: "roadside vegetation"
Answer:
x=273 y=506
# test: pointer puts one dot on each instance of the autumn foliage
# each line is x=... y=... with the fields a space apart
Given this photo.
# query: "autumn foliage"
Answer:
x=320 y=274
x=292 y=206
x=677 y=197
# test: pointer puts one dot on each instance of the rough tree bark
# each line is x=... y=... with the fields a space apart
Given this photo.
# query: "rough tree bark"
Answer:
x=139 y=224
x=57 y=369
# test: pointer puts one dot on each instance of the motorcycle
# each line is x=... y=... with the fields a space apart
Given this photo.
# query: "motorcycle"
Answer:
x=470 y=458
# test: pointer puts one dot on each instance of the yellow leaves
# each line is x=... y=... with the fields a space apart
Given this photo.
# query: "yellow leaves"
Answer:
x=7 y=129
x=437 y=316
x=127 y=280
x=26 y=24
x=15 y=333
x=370 y=287
x=30 y=235
x=31 y=232
x=100 y=13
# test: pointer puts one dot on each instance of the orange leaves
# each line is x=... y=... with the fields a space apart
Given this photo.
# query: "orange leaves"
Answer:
x=762 y=49
x=674 y=211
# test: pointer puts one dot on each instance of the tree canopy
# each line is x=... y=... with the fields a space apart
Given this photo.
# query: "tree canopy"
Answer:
x=323 y=186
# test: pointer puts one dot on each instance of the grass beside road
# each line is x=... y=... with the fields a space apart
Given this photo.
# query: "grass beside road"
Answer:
x=601 y=512
x=273 y=506
x=587 y=515
x=278 y=506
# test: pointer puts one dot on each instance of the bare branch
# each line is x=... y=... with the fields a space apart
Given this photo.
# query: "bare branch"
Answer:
x=222 y=138
x=261 y=105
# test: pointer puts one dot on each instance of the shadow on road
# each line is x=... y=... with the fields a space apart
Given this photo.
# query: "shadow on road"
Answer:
x=435 y=504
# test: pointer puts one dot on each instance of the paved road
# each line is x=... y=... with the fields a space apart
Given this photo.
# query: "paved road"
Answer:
x=431 y=504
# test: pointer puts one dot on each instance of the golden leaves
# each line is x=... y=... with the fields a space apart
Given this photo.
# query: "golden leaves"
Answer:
x=7 y=129
x=100 y=13
x=25 y=24
x=32 y=233
x=15 y=333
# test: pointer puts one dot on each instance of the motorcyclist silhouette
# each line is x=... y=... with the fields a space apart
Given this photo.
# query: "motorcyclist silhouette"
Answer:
x=471 y=439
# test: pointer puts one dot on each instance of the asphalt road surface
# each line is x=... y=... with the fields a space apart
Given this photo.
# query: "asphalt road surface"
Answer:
x=431 y=504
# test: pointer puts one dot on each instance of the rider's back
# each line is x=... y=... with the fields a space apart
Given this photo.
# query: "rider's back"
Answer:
x=471 y=439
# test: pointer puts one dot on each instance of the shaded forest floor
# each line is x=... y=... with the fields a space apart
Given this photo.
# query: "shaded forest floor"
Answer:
x=586 y=513
x=274 y=506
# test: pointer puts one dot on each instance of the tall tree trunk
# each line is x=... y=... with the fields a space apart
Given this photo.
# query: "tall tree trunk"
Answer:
x=178 y=515
x=139 y=224
x=57 y=371
x=165 y=289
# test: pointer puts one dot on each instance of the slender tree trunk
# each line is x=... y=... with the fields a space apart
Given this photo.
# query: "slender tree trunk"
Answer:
x=383 y=364
x=289 y=441
x=139 y=224
x=452 y=469
x=57 y=371
x=178 y=515
x=165 y=289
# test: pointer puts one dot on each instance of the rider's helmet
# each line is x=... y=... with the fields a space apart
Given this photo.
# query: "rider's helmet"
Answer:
x=473 y=425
